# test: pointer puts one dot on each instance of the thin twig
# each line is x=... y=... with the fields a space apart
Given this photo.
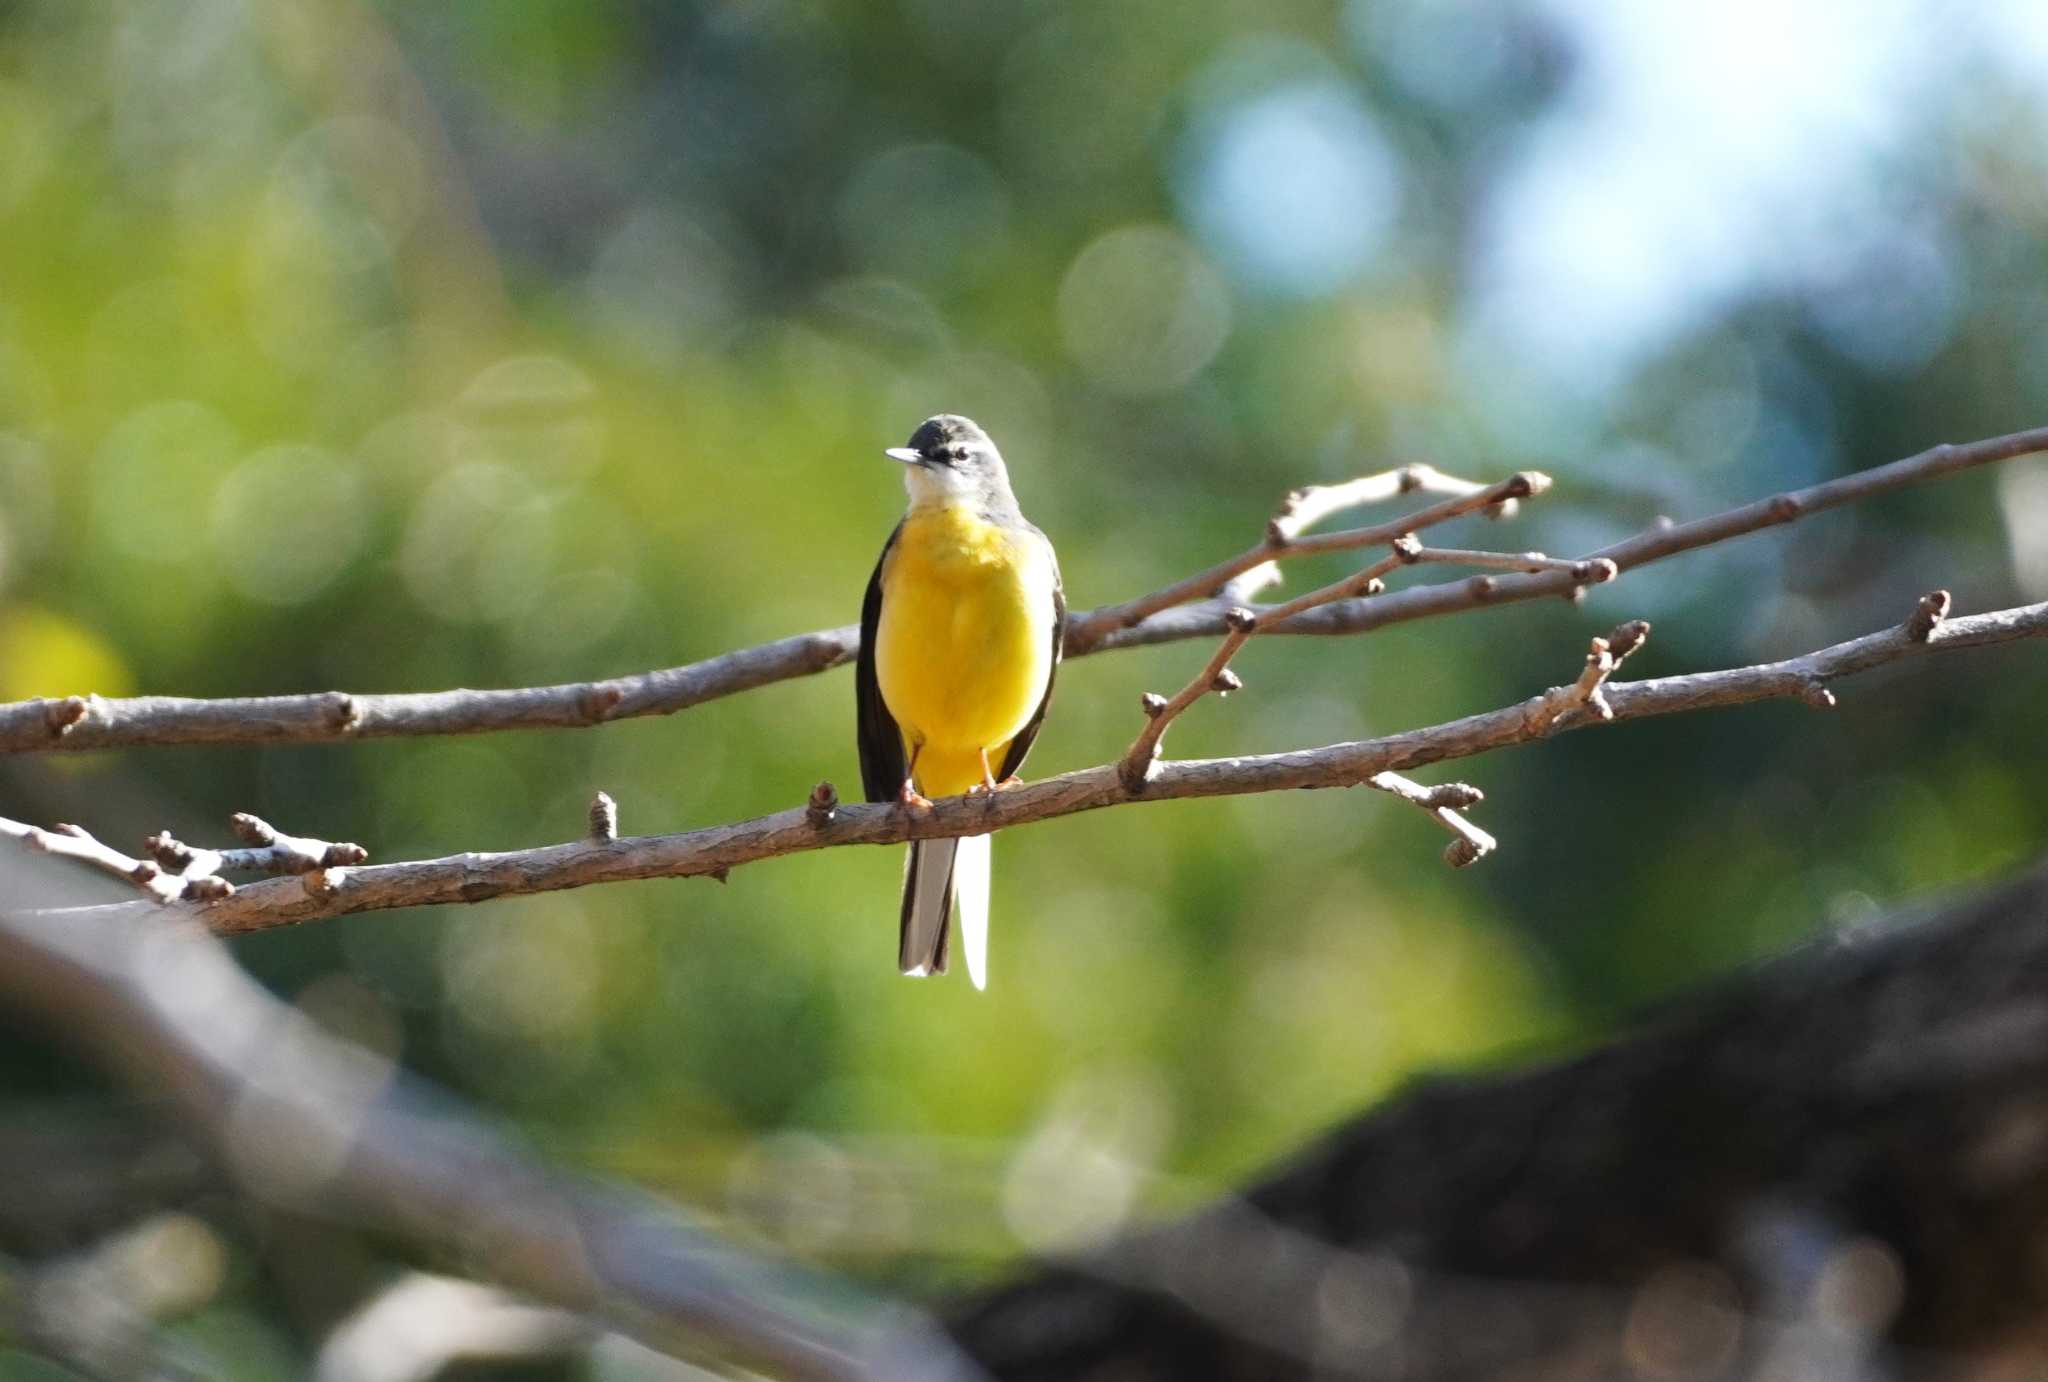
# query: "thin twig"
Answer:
x=80 y=723
x=1587 y=696
x=1304 y=508
x=1098 y=624
x=1367 y=580
x=712 y=851
x=1204 y=619
x=74 y=842
x=1585 y=570
x=266 y=850
x=1446 y=805
x=1139 y=758
x=182 y=873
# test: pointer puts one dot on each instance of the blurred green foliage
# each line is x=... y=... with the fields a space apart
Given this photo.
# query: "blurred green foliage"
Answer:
x=402 y=347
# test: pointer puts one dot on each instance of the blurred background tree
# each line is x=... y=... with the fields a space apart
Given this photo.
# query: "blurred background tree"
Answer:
x=401 y=347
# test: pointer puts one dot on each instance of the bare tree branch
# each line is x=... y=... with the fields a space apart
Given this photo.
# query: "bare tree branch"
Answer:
x=1243 y=623
x=182 y=873
x=1204 y=619
x=1091 y=628
x=92 y=722
x=1182 y=610
x=304 y=1123
x=74 y=842
x=714 y=850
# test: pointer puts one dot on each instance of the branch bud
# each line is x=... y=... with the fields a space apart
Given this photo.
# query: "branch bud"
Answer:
x=60 y=715
x=601 y=700
x=1627 y=637
x=823 y=803
x=1928 y=615
x=604 y=818
x=341 y=709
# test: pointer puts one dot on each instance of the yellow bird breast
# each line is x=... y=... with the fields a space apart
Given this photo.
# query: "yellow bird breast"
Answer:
x=963 y=649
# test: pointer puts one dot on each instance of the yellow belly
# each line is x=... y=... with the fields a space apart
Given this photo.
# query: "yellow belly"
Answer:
x=964 y=645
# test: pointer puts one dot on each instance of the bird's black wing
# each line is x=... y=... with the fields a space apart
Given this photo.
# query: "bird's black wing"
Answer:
x=881 y=742
x=1021 y=745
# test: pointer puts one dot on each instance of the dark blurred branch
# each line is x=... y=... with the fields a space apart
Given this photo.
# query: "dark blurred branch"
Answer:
x=1182 y=610
x=98 y=1310
x=424 y=1326
x=712 y=851
x=1831 y=1166
x=308 y=1125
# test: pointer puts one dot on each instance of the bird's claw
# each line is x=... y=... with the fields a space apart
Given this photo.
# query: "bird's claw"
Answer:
x=910 y=799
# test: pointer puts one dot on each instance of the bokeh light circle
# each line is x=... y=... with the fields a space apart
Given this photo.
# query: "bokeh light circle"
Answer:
x=1142 y=310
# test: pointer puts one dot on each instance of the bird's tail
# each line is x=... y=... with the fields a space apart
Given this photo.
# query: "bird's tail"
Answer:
x=940 y=875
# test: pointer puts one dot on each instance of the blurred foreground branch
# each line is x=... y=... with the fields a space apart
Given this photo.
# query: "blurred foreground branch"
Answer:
x=1177 y=611
x=824 y=822
x=303 y=1123
x=1833 y=1167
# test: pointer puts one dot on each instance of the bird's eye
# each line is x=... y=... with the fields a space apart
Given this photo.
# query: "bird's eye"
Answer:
x=956 y=453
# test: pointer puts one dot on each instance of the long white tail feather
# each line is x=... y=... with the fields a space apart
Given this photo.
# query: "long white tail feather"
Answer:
x=970 y=904
x=927 y=885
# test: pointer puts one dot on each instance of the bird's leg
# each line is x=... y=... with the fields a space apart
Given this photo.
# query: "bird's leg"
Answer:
x=907 y=796
x=988 y=781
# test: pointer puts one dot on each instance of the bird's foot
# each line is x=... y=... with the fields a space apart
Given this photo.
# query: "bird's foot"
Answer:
x=910 y=799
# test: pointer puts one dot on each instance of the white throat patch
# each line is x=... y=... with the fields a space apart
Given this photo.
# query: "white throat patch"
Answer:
x=938 y=484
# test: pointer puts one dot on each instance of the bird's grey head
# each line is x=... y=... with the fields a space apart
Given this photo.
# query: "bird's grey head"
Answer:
x=950 y=460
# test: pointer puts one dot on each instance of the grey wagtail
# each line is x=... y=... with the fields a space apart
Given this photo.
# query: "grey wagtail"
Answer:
x=959 y=640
